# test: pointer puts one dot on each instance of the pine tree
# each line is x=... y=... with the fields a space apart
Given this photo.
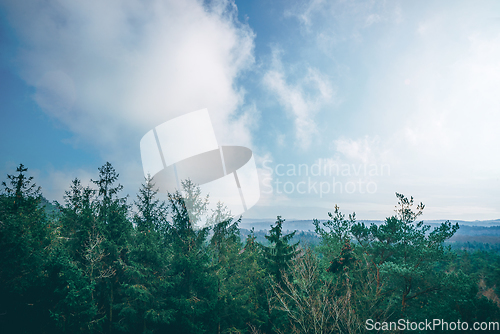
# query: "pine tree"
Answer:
x=114 y=226
x=79 y=218
x=70 y=292
x=277 y=257
x=280 y=252
x=87 y=251
x=226 y=235
x=225 y=245
x=248 y=286
x=194 y=291
x=147 y=284
x=404 y=253
x=24 y=236
x=391 y=269
x=112 y=209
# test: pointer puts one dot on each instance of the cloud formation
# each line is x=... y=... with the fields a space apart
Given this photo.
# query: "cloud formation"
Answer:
x=342 y=21
x=112 y=70
x=301 y=100
x=427 y=77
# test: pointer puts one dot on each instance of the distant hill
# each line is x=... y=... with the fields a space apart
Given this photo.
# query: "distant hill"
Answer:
x=50 y=208
x=472 y=235
x=471 y=227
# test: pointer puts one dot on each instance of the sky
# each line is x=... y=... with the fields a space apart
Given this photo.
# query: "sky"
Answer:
x=341 y=102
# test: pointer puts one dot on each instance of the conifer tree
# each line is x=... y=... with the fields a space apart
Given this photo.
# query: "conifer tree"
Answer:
x=85 y=244
x=79 y=218
x=147 y=283
x=225 y=245
x=226 y=235
x=70 y=292
x=112 y=209
x=391 y=269
x=24 y=236
x=279 y=252
x=194 y=291
x=404 y=253
x=248 y=283
x=116 y=229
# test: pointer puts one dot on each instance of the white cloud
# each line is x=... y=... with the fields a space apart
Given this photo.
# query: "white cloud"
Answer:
x=364 y=150
x=54 y=182
x=301 y=100
x=342 y=20
x=112 y=70
x=371 y=19
x=427 y=79
x=304 y=11
x=453 y=98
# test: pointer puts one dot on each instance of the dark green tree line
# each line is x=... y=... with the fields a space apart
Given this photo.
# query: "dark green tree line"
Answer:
x=102 y=265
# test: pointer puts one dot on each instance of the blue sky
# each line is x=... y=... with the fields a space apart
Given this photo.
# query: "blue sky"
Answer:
x=379 y=96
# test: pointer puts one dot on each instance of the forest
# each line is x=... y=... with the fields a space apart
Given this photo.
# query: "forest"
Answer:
x=105 y=263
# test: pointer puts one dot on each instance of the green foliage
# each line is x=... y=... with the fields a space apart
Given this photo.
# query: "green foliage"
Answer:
x=251 y=284
x=72 y=306
x=396 y=269
x=23 y=240
x=112 y=210
x=279 y=253
x=78 y=218
x=194 y=292
x=147 y=284
x=100 y=265
x=334 y=233
x=403 y=254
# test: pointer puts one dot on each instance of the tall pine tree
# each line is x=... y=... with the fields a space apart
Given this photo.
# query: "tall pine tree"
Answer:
x=145 y=307
x=24 y=236
x=279 y=252
x=116 y=229
x=194 y=291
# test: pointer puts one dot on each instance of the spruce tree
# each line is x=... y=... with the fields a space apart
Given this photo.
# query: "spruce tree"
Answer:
x=24 y=236
x=247 y=285
x=79 y=218
x=279 y=252
x=86 y=245
x=115 y=227
x=112 y=209
x=277 y=256
x=225 y=245
x=194 y=291
x=147 y=284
